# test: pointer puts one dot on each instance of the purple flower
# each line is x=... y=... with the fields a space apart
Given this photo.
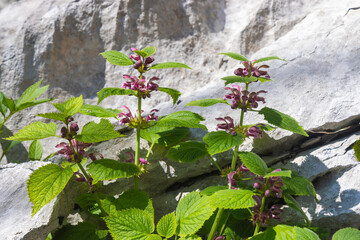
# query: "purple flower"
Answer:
x=255 y=132
x=243 y=99
x=254 y=71
x=68 y=151
x=140 y=85
x=275 y=211
x=132 y=159
x=141 y=64
x=228 y=125
x=231 y=179
x=134 y=121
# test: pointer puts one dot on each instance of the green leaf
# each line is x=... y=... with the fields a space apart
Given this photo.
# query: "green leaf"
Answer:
x=192 y=237
x=3 y=108
x=130 y=224
x=169 y=65
x=206 y=102
x=46 y=183
x=284 y=173
x=54 y=115
x=263 y=80
x=211 y=190
x=236 y=56
x=97 y=132
x=140 y=53
x=107 y=92
x=167 y=225
x=233 y=199
x=166 y=136
x=268 y=59
x=298 y=185
x=9 y=103
x=221 y=141
x=182 y=119
x=191 y=213
x=31 y=93
x=347 y=233
x=291 y=202
x=108 y=169
x=282 y=120
x=88 y=202
x=117 y=58
x=149 y=50
x=254 y=163
x=154 y=237
x=305 y=234
x=237 y=79
x=356 y=148
x=35 y=131
x=82 y=231
x=174 y=94
x=135 y=199
x=8 y=147
x=97 y=111
x=33 y=103
x=35 y=150
x=187 y=152
x=71 y=106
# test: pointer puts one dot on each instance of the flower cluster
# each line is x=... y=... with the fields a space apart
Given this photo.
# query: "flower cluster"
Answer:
x=255 y=131
x=141 y=64
x=228 y=125
x=243 y=99
x=132 y=159
x=133 y=121
x=251 y=70
x=236 y=175
x=140 y=85
x=262 y=216
x=70 y=151
x=65 y=133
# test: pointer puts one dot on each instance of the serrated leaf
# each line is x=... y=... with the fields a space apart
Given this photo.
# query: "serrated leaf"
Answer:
x=166 y=227
x=237 y=79
x=254 y=163
x=9 y=103
x=149 y=50
x=107 y=92
x=284 y=232
x=154 y=237
x=88 y=202
x=356 y=148
x=35 y=131
x=221 y=141
x=3 y=108
x=54 y=115
x=268 y=59
x=182 y=119
x=298 y=185
x=284 y=173
x=140 y=53
x=166 y=136
x=71 y=106
x=211 y=190
x=187 y=152
x=233 y=199
x=135 y=199
x=282 y=120
x=108 y=169
x=174 y=94
x=97 y=111
x=46 y=183
x=347 y=233
x=236 y=56
x=33 y=103
x=206 y=102
x=291 y=202
x=192 y=237
x=81 y=231
x=31 y=93
x=130 y=224
x=305 y=234
x=35 y=150
x=97 y=132
x=191 y=213
x=169 y=65
x=263 y=80
x=117 y=58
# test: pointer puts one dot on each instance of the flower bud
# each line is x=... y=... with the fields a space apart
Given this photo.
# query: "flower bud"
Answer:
x=257 y=185
x=267 y=193
x=149 y=60
x=64 y=132
x=74 y=127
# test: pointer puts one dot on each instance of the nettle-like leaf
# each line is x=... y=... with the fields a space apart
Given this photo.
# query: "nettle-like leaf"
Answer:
x=222 y=141
x=192 y=237
x=186 y=152
x=299 y=185
x=166 y=227
x=8 y=147
x=108 y=169
x=182 y=119
x=264 y=80
x=117 y=58
x=33 y=103
x=54 y=115
x=81 y=231
x=356 y=148
x=268 y=59
x=31 y=93
x=291 y=202
x=46 y=183
x=97 y=111
x=3 y=108
x=284 y=173
x=211 y=190
x=282 y=120
x=169 y=65
x=174 y=94
x=347 y=233
x=166 y=136
x=254 y=163
x=149 y=50
x=233 y=199
x=88 y=202
x=71 y=106
x=97 y=132
x=284 y=232
x=153 y=237
x=140 y=53
x=135 y=199
x=236 y=56
x=238 y=79
x=9 y=103
x=107 y=92
x=35 y=150
x=206 y=102
x=191 y=213
x=35 y=131
x=130 y=224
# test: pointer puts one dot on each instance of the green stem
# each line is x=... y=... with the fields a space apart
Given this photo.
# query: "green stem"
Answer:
x=215 y=163
x=224 y=225
x=233 y=162
x=7 y=118
x=258 y=224
x=149 y=151
x=137 y=151
x=215 y=224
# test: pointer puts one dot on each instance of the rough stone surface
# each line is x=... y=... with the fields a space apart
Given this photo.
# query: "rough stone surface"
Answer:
x=60 y=41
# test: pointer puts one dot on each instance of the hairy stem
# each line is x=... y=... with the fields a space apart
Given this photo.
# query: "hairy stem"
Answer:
x=215 y=163
x=137 y=150
x=149 y=151
x=215 y=224
x=258 y=224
